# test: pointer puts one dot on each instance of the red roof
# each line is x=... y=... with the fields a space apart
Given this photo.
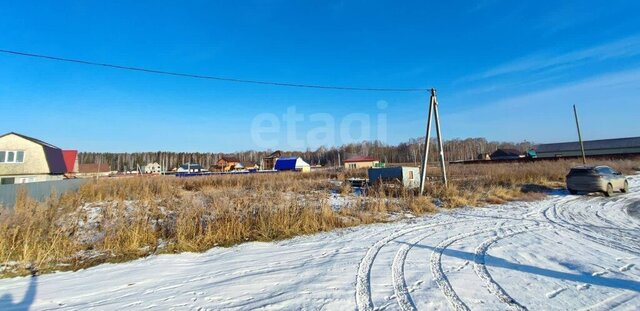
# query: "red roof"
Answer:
x=70 y=157
x=360 y=159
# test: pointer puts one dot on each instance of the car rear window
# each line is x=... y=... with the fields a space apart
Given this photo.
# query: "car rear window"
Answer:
x=581 y=172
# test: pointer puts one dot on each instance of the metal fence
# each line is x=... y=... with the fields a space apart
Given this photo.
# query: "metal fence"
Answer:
x=38 y=190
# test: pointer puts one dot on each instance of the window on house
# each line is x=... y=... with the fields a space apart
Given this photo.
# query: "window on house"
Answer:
x=410 y=174
x=11 y=156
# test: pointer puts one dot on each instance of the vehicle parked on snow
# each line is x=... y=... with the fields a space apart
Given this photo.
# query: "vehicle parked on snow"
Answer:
x=596 y=179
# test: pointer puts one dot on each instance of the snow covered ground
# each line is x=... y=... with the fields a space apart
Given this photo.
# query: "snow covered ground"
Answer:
x=566 y=252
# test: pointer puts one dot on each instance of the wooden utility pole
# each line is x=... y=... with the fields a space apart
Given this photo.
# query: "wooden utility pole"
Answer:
x=433 y=111
x=575 y=114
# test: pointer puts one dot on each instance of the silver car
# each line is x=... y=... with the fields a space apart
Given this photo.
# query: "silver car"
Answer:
x=596 y=179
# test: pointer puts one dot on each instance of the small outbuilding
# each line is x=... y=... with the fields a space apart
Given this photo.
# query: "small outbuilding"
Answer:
x=361 y=162
x=292 y=164
x=407 y=176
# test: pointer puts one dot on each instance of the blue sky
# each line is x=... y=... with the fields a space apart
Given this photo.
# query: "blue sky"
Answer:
x=504 y=70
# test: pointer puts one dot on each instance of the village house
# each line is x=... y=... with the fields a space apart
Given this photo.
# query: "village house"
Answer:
x=191 y=168
x=152 y=168
x=269 y=162
x=25 y=159
x=361 y=162
x=228 y=163
x=248 y=165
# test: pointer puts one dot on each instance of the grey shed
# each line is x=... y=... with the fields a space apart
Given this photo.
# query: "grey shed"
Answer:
x=408 y=176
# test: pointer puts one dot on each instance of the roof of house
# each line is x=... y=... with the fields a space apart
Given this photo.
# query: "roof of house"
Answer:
x=53 y=154
x=275 y=154
x=94 y=168
x=37 y=141
x=360 y=159
x=229 y=158
x=70 y=157
x=616 y=143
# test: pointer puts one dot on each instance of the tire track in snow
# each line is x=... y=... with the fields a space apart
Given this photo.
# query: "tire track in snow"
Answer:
x=363 y=278
x=613 y=302
x=438 y=273
x=481 y=269
x=401 y=291
x=582 y=232
x=610 y=213
x=397 y=271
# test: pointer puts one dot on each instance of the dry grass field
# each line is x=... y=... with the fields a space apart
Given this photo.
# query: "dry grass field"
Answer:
x=117 y=219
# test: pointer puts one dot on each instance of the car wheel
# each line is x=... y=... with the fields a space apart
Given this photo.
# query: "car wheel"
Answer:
x=626 y=187
x=609 y=191
x=573 y=191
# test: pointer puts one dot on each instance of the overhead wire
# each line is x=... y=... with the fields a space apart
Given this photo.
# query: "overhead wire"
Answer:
x=208 y=77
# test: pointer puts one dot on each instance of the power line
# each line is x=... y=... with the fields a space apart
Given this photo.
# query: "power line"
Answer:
x=197 y=76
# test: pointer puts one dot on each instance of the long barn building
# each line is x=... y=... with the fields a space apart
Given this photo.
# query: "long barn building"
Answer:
x=603 y=147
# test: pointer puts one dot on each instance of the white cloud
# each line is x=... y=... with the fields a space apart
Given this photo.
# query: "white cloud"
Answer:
x=544 y=61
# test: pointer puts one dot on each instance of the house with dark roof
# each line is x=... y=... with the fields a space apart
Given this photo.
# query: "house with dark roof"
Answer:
x=506 y=154
x=24 y=159
x=361 y=162
x=603 y=147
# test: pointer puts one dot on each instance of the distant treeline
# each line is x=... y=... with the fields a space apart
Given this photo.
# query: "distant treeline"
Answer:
x=407 y=152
